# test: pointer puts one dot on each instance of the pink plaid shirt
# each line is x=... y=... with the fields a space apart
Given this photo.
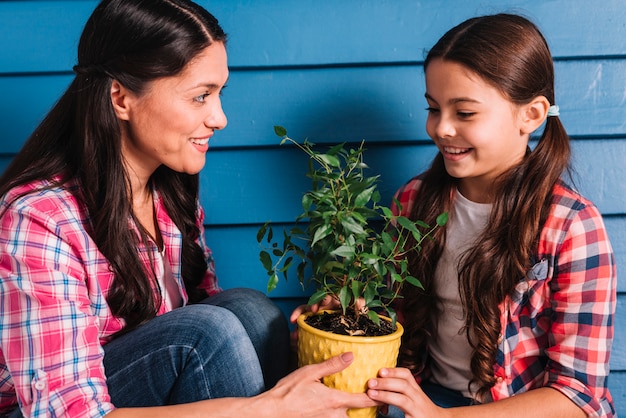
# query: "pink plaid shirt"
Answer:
x=54 y=317
x=557 y=327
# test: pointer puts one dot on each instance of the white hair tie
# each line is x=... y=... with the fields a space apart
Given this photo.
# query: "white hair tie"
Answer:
x=553 y=111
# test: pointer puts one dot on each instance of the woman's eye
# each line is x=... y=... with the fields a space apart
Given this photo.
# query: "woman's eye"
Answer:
x=201 y=98
x=432 y=110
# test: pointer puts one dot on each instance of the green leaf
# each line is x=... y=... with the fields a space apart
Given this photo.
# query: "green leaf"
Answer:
x=357 y=287
x=352 y=226
x=414 y=281
x=370 y=292
x=344 y=298
x=392 y=315
x=345 y=251
x=364 y=196
x=280 y=131
x=374 y=316
x=320 y=233
x=266 y=260
x=261 y=233
x=317 y=297
x=331 y=160
x=396 y=278
x=442 y=219
x=272 y=282
x=406 y=223
x=387 y=212
x=307 y=201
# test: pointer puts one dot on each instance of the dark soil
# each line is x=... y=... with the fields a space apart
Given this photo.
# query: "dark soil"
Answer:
x=349 y=324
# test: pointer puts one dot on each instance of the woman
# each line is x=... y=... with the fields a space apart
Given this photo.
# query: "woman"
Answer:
x=108 y=298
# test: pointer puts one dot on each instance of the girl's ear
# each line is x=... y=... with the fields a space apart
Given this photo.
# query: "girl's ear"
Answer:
x=120 y=99
x=534 y=114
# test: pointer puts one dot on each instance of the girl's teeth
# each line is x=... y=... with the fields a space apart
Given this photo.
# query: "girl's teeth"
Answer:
x=455 y=150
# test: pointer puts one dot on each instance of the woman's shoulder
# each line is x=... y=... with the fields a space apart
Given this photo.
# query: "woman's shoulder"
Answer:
x=42 y=196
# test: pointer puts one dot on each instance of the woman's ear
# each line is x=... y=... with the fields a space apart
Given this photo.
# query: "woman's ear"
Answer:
x=533 y=114
x=120 y=98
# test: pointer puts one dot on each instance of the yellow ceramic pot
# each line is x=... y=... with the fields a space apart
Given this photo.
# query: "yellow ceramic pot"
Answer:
x=370 y=355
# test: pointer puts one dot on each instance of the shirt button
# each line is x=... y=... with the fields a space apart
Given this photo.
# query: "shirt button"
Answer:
x=40 y=385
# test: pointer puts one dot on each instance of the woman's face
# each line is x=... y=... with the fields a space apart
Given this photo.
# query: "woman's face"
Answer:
x=171 y=122
x=476 y=128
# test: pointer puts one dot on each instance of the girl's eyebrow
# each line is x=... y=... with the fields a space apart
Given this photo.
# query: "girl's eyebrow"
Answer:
x=454 y=100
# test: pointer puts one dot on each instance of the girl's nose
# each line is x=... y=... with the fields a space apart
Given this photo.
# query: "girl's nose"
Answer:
x=444 y=128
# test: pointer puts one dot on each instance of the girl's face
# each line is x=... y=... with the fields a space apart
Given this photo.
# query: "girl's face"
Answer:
x=172 y=121
x=476 y=128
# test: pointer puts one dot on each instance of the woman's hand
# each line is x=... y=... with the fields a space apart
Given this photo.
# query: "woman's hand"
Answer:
x=302 y=394
x=398 y=387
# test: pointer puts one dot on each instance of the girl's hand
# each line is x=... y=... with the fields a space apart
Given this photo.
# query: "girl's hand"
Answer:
x=398 y=387
x=328 y=303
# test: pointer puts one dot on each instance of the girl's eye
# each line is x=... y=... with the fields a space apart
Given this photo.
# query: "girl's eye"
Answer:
x=201 y=98
x=432 y=110
x=465 y=115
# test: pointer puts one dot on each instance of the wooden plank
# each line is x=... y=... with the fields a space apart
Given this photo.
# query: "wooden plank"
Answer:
x=617 y=386
x=237 y=263
x=618 y=354
x=339 y=104
x=42 y=35
x=263 y=184
x=616 y=228
x=31 y=98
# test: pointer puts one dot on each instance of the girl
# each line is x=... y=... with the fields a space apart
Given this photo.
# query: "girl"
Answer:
x=108 y=297
x=516 y=317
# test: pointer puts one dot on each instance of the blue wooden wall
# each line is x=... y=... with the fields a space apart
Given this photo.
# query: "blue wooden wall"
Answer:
x=341 y=71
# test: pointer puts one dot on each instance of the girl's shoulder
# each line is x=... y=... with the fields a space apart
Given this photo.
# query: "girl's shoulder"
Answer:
x=570 y=209
x=406 y=194
x=567 y=198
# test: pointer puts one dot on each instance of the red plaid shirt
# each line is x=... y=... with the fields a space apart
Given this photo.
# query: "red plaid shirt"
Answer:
x=53 y=313
x=557 y=327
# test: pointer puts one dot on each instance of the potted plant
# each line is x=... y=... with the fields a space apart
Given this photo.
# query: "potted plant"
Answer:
x=353 y=249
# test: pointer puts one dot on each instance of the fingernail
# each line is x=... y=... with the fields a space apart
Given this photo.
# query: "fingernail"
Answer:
x=347 y=357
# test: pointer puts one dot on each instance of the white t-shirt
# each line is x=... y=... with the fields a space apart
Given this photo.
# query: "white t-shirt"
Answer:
x=169 y=288
x=449 y=347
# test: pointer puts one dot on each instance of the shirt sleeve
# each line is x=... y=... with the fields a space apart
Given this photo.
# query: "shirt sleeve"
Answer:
x=209 y=283
x=49 y=336
x=583 y=304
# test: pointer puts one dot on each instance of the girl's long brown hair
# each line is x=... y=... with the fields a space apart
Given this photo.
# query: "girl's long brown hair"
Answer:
x=508 y=52
x=133 y=42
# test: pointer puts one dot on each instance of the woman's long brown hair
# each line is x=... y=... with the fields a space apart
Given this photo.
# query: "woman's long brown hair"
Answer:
x=509 y=53
x=133 y=42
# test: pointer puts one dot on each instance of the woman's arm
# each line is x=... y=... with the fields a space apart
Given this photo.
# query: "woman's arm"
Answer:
x=300 y=394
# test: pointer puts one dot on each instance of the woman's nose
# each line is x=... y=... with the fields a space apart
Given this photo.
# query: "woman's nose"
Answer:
x=217 y=118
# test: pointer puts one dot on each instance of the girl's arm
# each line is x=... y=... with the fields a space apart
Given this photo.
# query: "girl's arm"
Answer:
x=398 y=387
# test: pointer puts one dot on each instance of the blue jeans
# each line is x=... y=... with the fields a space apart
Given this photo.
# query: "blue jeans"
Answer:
x=222 y=347
x=440 y=395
